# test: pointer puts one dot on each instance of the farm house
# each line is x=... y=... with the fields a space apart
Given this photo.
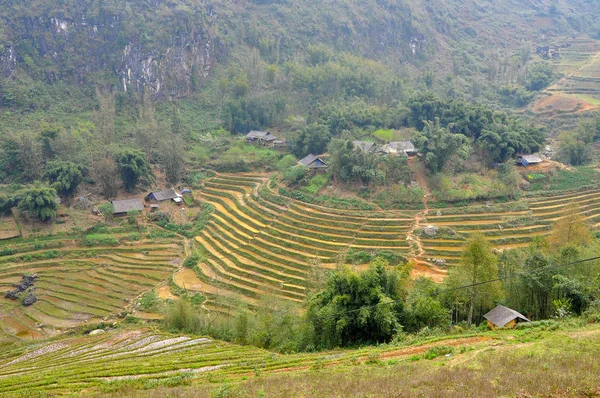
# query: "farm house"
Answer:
x=364 y=146
x=503 y=317
x=312 y=162
x=398 y=148
x=122 y=207
x=162 y=196
x=260 y=136
x=526 y=160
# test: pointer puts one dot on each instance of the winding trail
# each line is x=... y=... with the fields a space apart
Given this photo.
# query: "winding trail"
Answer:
x=421 y=267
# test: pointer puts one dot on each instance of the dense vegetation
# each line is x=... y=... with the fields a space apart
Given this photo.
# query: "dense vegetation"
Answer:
x=85 y=79
x=348 y=307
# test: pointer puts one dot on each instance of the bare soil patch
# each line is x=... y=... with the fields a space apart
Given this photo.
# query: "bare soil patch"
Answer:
x=561 y=103
x=164 y=293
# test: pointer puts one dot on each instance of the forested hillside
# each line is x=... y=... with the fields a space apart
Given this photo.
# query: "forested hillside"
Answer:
x=379 y=50
x=82 y=76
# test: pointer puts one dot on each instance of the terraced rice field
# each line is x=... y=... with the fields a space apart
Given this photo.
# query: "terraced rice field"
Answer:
x=78 y=284
x=579 y=89
x=507 y=230
x=260 y=242
x=148 y=359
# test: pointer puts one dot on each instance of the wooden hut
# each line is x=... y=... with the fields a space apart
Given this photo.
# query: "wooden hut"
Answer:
x=122 y=207
x=312 y=162
x=503 y=317
x=526 y=160
x=162 y=196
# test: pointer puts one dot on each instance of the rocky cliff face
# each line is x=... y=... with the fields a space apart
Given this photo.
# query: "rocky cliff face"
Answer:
x=111 y=48
x=8 y=60
x=170 y=46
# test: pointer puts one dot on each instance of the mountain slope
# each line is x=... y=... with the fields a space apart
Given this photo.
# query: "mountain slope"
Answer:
x=172 y=46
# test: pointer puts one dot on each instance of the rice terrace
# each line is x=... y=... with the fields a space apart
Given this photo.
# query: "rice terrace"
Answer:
x=370 y=198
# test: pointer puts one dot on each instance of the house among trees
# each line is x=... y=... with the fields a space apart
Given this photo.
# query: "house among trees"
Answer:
x=122 y=207
x=312 y=162
x=526 y=160
x=503 y=317
x=365 y=146
x=398 y=148
x=162 y=196
x=263 y=137
x=279 y=143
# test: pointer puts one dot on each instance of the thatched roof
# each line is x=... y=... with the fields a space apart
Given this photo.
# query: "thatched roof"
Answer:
x=127 y=205
x=502 y=315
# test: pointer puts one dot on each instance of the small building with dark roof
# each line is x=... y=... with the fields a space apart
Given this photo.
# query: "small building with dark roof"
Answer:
x=260 y=136
x=503 y=317
x=527 y=160
x=161 y=196
x=365 y=146
x=122 y=207
x=312 y=162
x=406 y=147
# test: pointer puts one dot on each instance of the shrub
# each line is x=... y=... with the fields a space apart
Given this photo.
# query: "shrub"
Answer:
x=437 y=351
x=191 y=261
x=148 y=300
x=295 y=176
x=181 y=316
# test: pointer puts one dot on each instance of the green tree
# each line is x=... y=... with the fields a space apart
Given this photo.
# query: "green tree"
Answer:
x=539 y=76
x=439 y=145
x=133 y=167
x=40 y=202
x=172 y=160
x=48 y=138
x=105 y=171
x=358 y=308
x=64 y=177
x=312 y=139
x=570 y=229
x=350 y=165
x=478 y=264
x=424 y=307
x=575 y=147
x=107 y=210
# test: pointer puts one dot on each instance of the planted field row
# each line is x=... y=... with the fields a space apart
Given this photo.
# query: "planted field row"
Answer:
x=510 y=229
x=112 y=361
x=264 y=242
x=81 y=284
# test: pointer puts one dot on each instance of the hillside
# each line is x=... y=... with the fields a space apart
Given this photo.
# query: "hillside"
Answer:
x=256 y=243
x=142 y=362
x=418 y=163
x=55 y=53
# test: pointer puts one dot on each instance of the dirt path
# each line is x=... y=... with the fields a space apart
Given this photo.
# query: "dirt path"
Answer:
x=421 y=267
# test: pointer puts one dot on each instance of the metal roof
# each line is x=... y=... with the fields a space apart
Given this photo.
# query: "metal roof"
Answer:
x=310 y=159
x=531 y=158
x=165 y=194
x=502 y=315
x=403 y=146
x=264 y=135
x=257 y=134
x=127 y=205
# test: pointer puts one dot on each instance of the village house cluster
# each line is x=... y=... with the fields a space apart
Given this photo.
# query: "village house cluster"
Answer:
x=124 y=206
